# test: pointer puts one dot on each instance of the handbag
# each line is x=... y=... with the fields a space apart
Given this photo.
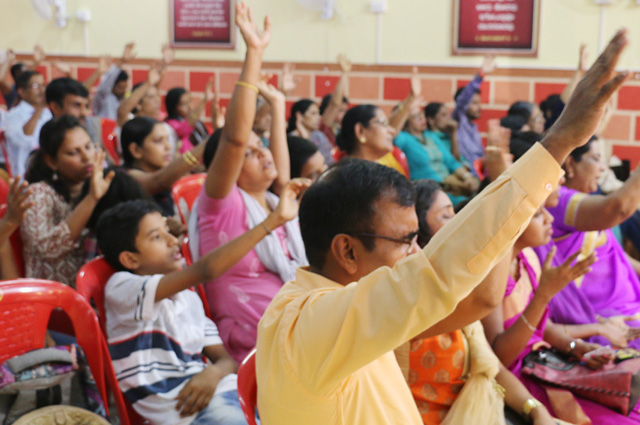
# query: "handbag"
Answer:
x=615 y=386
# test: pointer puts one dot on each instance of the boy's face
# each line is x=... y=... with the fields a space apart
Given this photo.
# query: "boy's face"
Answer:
x=158 y=250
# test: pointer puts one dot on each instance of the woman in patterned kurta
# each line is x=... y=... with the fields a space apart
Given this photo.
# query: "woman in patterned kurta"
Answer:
x=67 y=182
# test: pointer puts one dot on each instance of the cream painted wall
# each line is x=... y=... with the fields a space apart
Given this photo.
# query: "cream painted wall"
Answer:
x=413 y=31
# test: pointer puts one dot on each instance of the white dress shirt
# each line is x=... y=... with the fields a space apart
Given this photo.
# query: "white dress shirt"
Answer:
x=20 y=145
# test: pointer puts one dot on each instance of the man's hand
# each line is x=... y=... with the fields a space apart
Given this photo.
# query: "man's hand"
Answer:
x=128 y=53
x=488 y=65
x=585 y=108
x=198 y=391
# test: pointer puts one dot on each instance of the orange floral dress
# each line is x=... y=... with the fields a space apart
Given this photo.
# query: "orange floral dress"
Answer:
x=436 y=368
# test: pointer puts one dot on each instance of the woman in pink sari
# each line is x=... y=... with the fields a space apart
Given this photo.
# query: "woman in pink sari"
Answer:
x=522 y=323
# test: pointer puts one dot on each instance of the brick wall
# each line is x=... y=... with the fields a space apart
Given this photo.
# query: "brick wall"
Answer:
x=386 y=85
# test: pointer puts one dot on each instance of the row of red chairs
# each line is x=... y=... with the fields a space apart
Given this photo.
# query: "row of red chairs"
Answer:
x=27 y=309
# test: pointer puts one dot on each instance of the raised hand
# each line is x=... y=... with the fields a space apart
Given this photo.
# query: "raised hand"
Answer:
x=168 y=54
x=11 y=56
x=63 y=67
x=585 y=108
x=99 y=182
x=208 y=89
x=104 y=63
x=249 y=30
x=616 y=330
x=554 y=279
x=345 y=63
x=498 y=136
x=288 y=83
x=217 y=113
x=488 y=64
x=268 y=91
x=17 y=203
x=288 y=206
x=38 y=54
x=154 y=76
x=128 y=53
x=416 y=84
x=583 y=64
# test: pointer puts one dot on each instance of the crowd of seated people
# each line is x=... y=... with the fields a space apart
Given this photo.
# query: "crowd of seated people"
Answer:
x=329 y=237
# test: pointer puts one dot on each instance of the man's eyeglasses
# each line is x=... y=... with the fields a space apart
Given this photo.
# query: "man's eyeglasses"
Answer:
x=410 y=240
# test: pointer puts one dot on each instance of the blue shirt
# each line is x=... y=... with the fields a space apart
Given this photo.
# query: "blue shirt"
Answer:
x=431 y=160
x=469 y=140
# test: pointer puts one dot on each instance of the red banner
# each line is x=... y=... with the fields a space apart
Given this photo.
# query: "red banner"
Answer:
x=202 y=23
x=501 y=26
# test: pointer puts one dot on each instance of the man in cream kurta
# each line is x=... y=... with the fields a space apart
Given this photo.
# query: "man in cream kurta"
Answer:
x=324 y=349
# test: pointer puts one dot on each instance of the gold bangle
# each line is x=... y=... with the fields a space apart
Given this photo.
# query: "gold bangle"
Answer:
x=192 y=158
x=248 y=86
x=189 y=161
x=529 y=405
x=266 y=228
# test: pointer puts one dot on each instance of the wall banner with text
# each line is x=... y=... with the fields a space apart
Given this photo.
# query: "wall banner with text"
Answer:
x=504 y=27
x=202 y=23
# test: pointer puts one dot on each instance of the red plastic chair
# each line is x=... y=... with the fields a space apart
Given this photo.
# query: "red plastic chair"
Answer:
x=16 y=245
x=3 y=149
x=402 y=160
x=25 y=309
x=90 y=283
x=184 y=194
x=109 y=139
x=248 y=387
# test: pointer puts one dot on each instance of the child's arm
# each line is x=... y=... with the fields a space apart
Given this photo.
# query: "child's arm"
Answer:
x=198 y=391
x=224 y=257
x=227 y=163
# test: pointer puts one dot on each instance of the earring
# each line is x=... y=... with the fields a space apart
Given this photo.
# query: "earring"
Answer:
x=55 y=176
x=363 y=140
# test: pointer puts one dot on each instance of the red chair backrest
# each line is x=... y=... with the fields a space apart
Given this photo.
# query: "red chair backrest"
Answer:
x=248 y=387
x=3 y=149
x=90 y=283
x=4 y=191
x=16 y=245
x=402 y=160
x=25 y=308
x=184 y=194
x=109 y=139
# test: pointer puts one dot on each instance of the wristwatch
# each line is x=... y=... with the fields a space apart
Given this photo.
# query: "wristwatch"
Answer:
x=529 y=405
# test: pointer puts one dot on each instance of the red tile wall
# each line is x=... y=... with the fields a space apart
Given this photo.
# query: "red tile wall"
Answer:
x=386 y=85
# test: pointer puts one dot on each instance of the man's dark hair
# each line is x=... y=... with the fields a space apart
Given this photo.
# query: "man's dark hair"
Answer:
x=60 y=87
x=17 y=69
x=22 y=82
x=122 y=76
x=300 y=150
x=459 y=91
x=118 y=228
x=344 y=199
x=211 y=148
x=327 y=99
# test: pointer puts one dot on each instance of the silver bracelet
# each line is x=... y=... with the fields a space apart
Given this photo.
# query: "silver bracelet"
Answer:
x=526 y=322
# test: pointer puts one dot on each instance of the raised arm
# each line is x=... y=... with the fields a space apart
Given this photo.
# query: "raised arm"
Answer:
x=600 y=212
x=5 y=83
x=227 y=163
x=400 y=116
x=478 y=304
x=392 y=305
x=196 y=113
x=223 y=258
x=577 y=75
x=164 y=178
x=332 y=110
x=278 y=141
x=38 y=56
x=463 y=100
x=104 y=63
x=132 y=101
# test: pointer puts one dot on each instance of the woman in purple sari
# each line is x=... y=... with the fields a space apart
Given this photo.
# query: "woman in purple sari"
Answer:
x=522 y=323
x=608 y=297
